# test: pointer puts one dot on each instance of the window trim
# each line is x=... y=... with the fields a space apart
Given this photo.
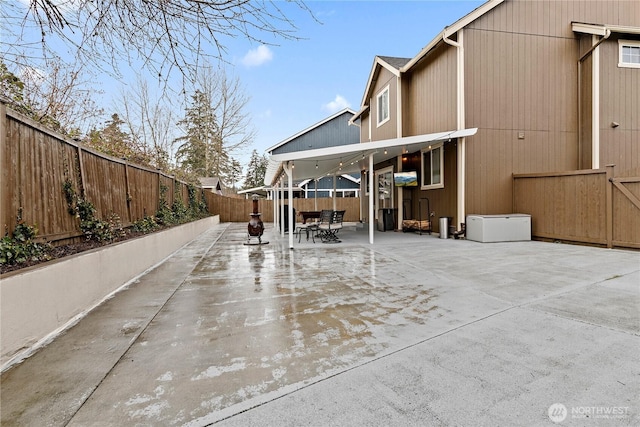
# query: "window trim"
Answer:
x=380 y=95
x=431 y=148
x=621 y=45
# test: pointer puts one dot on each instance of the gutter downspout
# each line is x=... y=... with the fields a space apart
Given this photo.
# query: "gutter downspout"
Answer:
x=595 y=103
x=460 y=113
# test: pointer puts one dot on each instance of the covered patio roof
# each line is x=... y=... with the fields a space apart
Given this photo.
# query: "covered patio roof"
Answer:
x=311 y=164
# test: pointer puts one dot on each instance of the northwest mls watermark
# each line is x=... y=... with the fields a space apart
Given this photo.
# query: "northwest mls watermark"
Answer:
x=558 y=412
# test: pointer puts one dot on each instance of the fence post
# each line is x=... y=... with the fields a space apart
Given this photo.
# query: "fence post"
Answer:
x=128 y=195
x=159 y=193
x=609 y=204
x=81 y=167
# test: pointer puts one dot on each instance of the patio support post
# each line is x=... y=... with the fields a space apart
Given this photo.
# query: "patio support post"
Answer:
x=315 y=194
x=334 y=192
x=274 y=194
x=288 y=168
x=371 y=198
x=281 y=206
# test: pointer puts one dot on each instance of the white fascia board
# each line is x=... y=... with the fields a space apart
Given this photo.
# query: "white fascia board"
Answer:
x=350 y=178
x=452 y=29
x=250 y=190
x=376 y=62
x=601 y=29
x=310 y=128
x=579 y=27
x=369 y=147
x=623 y=29
x=357 y=115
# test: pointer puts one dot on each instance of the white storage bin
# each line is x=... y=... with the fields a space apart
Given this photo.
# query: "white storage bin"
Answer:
x=499 y=228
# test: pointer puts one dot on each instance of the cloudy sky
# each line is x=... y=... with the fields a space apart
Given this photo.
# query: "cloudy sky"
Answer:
x=299 y=83
x=294 y=84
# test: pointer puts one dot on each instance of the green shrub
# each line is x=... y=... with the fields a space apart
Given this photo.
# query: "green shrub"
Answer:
x=20 y=247
x=146 y=225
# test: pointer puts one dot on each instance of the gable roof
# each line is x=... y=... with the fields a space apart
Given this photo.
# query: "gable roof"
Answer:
x=309 y=129
x=395 y=62
x=401 y=65
x=391 y=63
x=213 y=182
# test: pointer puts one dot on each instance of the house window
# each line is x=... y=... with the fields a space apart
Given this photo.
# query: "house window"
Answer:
x=629 y=53
x=432 y=167
x=383 y=106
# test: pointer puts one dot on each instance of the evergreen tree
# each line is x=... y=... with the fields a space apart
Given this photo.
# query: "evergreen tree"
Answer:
x=256 y=170
x=215 y=127
x=199 y=149
x=236 y=173
x=112 y=140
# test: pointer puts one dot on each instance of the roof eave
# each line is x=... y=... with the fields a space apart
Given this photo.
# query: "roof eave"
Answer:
x=310 y=128
x=377 y=61
x=452 y=29
x=601 y=29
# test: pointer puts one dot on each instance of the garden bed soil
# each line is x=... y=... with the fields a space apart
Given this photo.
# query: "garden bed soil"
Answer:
x=62 y=251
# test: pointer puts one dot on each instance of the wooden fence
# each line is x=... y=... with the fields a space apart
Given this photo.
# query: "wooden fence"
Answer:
x=37 y=164
x=238 y=210
x=591 y=206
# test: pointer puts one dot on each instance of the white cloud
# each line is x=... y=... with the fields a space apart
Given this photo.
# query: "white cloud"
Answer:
x=258 y=56
x=339 y=103
x=326 y=13
x=265 y=114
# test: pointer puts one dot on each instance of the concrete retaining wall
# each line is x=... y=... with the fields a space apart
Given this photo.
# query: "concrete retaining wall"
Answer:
x=41 y=300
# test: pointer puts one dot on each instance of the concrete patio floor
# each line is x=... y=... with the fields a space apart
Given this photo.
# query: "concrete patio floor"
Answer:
x=413 y=330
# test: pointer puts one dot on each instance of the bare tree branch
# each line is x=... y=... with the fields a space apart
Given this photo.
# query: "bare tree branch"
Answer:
x=165 y=35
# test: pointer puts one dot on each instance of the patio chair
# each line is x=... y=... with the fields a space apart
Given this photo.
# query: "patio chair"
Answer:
x=328 y=229
x=309 y=228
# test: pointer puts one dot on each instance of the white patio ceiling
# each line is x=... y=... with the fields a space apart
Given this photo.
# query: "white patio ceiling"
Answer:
x=310 y=164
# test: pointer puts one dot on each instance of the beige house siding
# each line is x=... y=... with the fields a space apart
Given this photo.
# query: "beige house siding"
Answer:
x=586 y=105
x=389 y=129
x=431 y=94
x=443 y=201
x=522 y=93
x=364 y=128
x=620 y=103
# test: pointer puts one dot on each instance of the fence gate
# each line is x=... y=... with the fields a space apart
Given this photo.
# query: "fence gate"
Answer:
x=623 y=205
x=587 y=206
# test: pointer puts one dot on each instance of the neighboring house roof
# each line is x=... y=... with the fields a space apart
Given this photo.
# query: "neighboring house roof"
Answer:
x=401 y=65
x=311 y=128
x=350 y=182
x=213 y=183
x=260 y=191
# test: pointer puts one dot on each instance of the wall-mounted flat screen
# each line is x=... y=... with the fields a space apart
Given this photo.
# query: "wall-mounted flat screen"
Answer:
x=406 y=179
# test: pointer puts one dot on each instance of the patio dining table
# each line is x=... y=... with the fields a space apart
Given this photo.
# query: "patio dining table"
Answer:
x=309 y=215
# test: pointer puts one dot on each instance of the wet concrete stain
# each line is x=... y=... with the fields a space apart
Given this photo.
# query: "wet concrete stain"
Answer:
x=249 y=320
